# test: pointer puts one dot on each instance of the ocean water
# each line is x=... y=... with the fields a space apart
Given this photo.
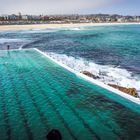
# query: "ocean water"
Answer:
x=112 y=52
x=37 y=95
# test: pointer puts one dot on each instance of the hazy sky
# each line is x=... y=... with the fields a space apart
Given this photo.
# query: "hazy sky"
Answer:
x=125 y=7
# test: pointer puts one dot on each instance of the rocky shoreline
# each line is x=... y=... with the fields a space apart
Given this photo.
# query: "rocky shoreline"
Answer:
x=130 y=91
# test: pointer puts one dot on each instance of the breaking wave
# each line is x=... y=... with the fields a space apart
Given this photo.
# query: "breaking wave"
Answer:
x=107 y=73
x=47 y=30
x=14 y=43
x=8 y=40
x=74 y=28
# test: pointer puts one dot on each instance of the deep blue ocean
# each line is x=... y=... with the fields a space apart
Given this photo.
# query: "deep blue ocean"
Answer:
x=111 y=52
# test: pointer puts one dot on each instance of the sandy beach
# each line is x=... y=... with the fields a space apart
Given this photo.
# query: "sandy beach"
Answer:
x=51 y=26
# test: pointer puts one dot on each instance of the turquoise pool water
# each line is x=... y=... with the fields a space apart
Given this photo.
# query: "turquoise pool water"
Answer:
x=37 y=95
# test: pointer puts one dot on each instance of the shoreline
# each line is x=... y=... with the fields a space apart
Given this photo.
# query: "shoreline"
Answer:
x=53 y=26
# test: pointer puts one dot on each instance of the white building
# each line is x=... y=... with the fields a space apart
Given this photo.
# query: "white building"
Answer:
x=24 y=17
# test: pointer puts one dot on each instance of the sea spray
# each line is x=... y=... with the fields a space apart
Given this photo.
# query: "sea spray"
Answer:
x=107 y=73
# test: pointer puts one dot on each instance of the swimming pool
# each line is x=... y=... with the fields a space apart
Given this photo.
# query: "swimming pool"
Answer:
x=37 y=95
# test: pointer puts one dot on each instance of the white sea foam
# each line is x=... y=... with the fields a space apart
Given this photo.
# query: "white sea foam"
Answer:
x=107 y=74
x=7 y=40
x=74 y=28
x=39 y=30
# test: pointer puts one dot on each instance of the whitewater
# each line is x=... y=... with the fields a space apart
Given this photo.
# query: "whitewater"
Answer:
x=107 y=74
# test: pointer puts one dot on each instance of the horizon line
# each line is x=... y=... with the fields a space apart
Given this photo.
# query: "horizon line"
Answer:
x=71 y=14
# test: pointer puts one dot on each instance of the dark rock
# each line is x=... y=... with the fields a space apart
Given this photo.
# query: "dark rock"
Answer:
x=90 y=74
x=130 y=91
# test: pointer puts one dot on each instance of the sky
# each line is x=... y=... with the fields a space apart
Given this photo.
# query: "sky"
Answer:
x=35 y=7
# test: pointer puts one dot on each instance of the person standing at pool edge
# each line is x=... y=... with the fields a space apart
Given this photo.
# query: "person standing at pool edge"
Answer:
x=8 y=47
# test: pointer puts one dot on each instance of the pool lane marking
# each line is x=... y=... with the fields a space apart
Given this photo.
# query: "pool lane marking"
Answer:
x=6 y=116
x=43 y=119
x=74 y=112
x=53 y=106
x=103 y=121
x=41 y=115
x=21 y=109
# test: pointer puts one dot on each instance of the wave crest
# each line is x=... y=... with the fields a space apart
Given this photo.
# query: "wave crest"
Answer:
x=107 y=73
x=8 y=40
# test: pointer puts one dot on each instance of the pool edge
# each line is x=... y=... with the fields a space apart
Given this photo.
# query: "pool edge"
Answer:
x=20 y=49
x=91 y=80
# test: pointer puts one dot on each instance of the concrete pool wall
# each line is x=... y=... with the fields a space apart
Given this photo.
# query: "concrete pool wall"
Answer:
x=101 y=84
